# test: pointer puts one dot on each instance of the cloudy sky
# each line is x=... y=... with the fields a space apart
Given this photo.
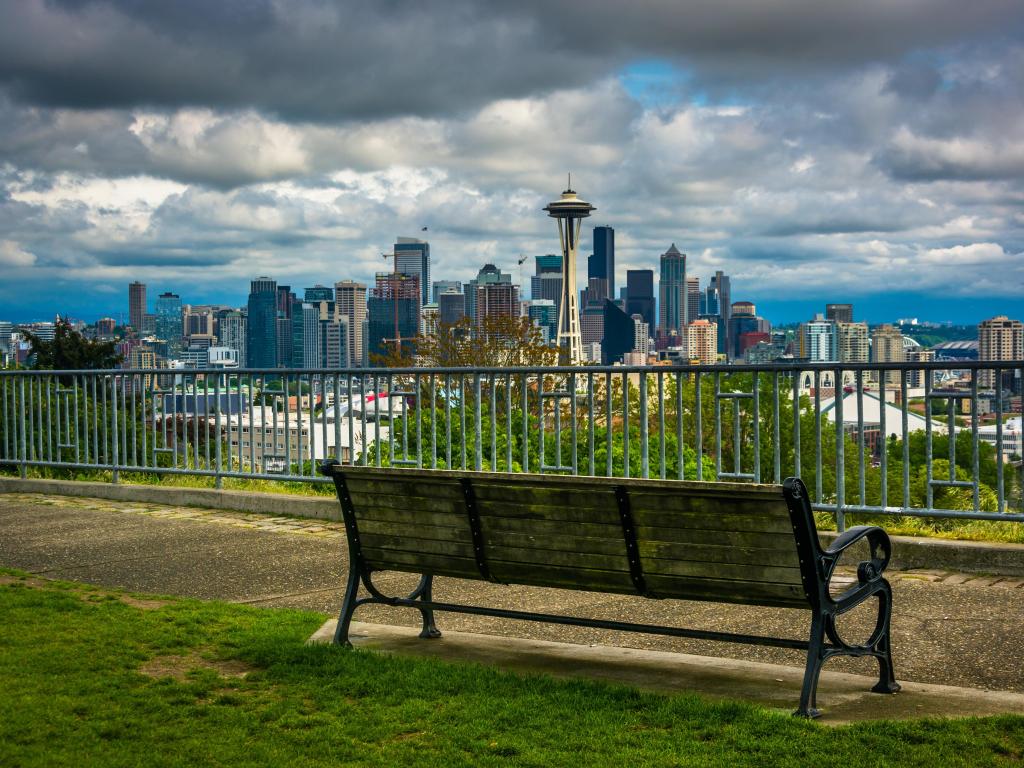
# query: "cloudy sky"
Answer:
x=868 y=151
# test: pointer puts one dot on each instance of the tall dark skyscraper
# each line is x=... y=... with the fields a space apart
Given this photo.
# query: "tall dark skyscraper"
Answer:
x=412 y=258
x=261 y=324
x=136 y=305
x=168 y=320
x=640 y=294
x=841 y=313
x=393 y=313
x=619 y=334
x=672 y=292
x=601 y=264
x=720 y=283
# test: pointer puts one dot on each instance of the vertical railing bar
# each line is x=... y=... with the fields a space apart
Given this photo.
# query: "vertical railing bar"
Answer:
x=376 y=418
x=49 y=425
x=351 y=423
x=698 y=426
x=644 y=429
x=837 y=385
x=608 y=421
x=115 y=433
x=462 y=420
x=140 y=383
x=680 y=454
x=883 y=442
x=556 y=403
x=975 y=453
x=508 y=422
x=478 y=454
x=817 y=437
x=757 y=427
x=928 y=458
x=448 y=419
x=218 y=480
x=363 y=379
x=718 y=426
x=433 y=421
x=796 y=423
x=391 y=416
x=322 y=379
x=1000 y=498
x=206 y=419
x=22 y=444
x=592 y=470
x=418 y=389
x=30 y=441
x=661 y=422
x=540 y=422
x=776 y=431
x=95 y=421
x=905 y=406
x=494 y=422
x=135 y=421
x=256 y=385
x=862 y=482
x=107 y=452
x=288 y=420
x=951 y=434
x=625 y=425
x=338 y=454
x=737 y=445
x=573 y=429
x=526 y=426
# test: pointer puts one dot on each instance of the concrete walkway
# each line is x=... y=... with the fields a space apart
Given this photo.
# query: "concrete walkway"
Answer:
x=948 y=629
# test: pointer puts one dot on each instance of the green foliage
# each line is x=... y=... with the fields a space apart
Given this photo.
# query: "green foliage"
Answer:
x=69 y=350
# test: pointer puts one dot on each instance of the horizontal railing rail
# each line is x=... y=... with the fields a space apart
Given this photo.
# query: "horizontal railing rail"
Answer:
x=939 y=439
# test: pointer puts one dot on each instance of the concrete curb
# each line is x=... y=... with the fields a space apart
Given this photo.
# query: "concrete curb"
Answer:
x=908 y=552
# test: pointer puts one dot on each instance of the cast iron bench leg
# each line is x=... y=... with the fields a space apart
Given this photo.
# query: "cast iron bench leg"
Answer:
x=815 y=660
x=426 y=593
x=348 y=607
x=883 y=645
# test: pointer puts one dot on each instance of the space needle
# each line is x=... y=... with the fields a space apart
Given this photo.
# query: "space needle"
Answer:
x=570 y=211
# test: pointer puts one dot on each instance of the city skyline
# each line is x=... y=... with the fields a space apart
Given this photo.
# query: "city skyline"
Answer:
x=814 y=153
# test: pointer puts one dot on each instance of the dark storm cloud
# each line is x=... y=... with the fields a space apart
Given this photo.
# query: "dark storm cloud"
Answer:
x=321 y=60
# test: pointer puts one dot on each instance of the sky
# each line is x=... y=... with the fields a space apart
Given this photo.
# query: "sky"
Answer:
x=869 y=152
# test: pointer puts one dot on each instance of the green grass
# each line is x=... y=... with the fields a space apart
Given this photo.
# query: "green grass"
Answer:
x=74 y=693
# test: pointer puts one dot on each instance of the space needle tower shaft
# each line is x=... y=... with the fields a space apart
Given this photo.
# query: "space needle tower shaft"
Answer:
x=570 y=211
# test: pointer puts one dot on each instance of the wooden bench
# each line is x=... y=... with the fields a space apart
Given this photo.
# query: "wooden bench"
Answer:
x=721 y=542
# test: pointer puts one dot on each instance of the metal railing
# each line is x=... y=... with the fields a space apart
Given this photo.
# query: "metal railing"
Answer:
x=892 y=455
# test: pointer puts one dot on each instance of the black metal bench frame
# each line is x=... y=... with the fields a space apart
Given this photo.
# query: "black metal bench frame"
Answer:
x=817 y=567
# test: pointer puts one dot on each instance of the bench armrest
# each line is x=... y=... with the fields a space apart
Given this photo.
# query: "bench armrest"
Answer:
x=867 y=570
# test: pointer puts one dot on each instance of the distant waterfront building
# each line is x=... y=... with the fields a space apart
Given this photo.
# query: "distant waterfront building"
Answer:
x=702 y=341
x=168 y=320
x=412 y=258
x=601 y=264
x=350 y=303
x=261 y=324
x=999 y=338
x=672 y=292
x=137 y=306
x=640 y=294
x=887 y=347
x=840 y=313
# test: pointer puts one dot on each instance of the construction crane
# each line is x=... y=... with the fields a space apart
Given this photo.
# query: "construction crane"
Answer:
x=522 y=260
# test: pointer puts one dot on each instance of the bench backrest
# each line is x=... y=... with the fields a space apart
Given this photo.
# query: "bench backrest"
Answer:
x=725 y=542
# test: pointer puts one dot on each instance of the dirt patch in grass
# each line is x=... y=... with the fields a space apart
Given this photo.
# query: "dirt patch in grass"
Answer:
x=24 y=581
x=143 y=605
x=179 y=667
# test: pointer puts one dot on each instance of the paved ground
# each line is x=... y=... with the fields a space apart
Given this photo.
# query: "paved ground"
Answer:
x=948 y=628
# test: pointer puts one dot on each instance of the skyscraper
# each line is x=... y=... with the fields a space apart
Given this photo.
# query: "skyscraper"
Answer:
x=692 y=299
x=601 y=264
x=999 y=338
x=640 y=294
x=494 y=300
x=721 y=283
x=619 y=333
x=350 y=302
x=672 y=292
x=702 y=341
x=168 y=320
x=412 y=258
x=393 y=313
x=443 y=286
x=451 y=307
x=818 y=340
x=261 y=324
x=887 y=347
x=488 y=274
x=853 y=342
x=841 y=313
x=136 y=305
x=231 y=333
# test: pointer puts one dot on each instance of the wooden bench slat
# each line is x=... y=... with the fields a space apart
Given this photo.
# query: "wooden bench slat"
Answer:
x=420 y=562
x=581 y=497
x=752 y=523
x=711 y=553
x=550 y=528
x=563 y=578
x=727 y=591
x=418 y=531
x=702 y=536
x=607 y=514
x=410 y=516
x=562 y=558
x=410 y=544
x=392 y=501
x=443 y=487
x=731 y=571
x=562 y=542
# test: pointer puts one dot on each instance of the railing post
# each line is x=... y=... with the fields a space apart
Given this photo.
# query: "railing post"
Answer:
x=115 y=456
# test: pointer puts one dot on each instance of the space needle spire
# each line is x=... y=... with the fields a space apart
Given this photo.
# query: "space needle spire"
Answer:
x=570 y=211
